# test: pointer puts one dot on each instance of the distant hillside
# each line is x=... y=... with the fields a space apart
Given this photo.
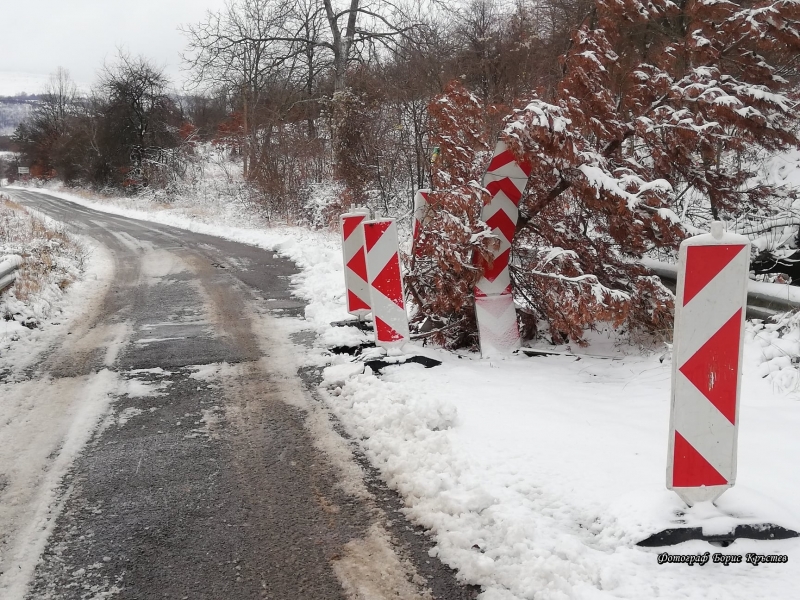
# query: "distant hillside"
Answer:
x=18 y=93
x=13 y=110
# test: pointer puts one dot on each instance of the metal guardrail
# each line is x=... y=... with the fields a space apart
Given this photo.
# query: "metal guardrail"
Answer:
x=759 y=305
x=8 y=270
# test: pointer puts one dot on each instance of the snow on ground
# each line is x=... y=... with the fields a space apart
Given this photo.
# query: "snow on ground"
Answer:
x=43 y=427
x=537 y=476
x=783 y=168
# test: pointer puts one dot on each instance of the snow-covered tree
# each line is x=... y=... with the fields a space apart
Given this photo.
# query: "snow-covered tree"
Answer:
x=658 y=109
x=658 y=104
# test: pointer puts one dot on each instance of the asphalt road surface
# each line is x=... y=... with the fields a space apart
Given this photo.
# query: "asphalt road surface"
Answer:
x=217 y=474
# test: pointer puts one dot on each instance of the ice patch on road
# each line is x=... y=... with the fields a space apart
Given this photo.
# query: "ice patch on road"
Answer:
x=208 y=372
x=127 y=414
x=211 y=419
x=152 y=371
x=159 y=264
x=147 y=341
x=130 y=242
x=136 y=388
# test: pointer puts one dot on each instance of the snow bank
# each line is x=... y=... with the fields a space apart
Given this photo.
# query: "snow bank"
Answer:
x=537 y=476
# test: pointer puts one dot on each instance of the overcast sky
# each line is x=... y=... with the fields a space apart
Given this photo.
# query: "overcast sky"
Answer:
x=37 y=36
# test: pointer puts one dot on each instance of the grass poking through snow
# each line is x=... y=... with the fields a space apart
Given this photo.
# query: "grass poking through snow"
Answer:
x=52 y=260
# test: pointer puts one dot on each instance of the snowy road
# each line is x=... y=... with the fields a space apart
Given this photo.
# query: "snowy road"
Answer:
x=165 y=447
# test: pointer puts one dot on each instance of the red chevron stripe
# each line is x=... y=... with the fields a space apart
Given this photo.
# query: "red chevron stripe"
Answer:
x=358 y=264
x=500 y=220
x=505 y=157
x=703 y=263
x=355 y=303
x=350 y=223
x=506 y=186
x=499 y=264
x=714 y=368
x=388 y=281
x=690 y=469
x=386 y=332
x=500 y=160
x=373 y=232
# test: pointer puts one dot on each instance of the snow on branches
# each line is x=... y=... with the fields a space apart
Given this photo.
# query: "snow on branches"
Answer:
x=657 y=106
x=660 y=110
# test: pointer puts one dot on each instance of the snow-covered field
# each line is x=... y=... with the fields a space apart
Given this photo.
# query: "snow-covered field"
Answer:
x=537 y=476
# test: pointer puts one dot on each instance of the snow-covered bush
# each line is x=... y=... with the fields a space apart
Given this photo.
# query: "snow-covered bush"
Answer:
x=323 y=203
x=779 y=345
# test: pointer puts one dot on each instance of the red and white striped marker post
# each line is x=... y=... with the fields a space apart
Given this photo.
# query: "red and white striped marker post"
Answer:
x=420 y=212
x=387 y=296
x=355 y=262
x=506 y=180
x=707 y=364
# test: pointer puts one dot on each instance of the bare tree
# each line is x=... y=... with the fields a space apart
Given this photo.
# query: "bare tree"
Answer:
x=140 y=120
x=252 y=38
x=59 y=96
x=46 y=137
x=240 y=49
